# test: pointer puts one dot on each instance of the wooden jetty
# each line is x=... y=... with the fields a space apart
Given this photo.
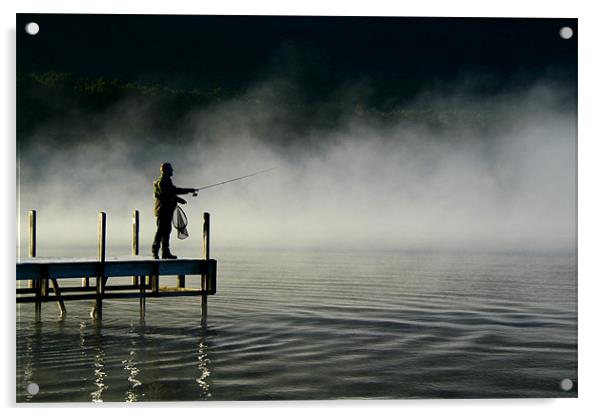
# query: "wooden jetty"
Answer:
x=144 y=271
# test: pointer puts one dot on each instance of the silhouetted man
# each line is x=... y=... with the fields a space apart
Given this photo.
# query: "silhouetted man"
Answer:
x=166 y=200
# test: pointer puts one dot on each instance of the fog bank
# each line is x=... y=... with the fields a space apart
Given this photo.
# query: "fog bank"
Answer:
x=396 y=185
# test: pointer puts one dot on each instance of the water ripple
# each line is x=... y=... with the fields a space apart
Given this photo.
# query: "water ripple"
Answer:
x=389 y=326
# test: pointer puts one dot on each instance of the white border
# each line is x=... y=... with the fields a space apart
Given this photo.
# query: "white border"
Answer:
x=590 y=189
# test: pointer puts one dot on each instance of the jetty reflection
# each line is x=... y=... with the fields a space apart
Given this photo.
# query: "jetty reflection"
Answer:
x=113 y=362
x=143 y=366
x=130 y=366
x=99 y=360
x=32 y=351
x=203 y=367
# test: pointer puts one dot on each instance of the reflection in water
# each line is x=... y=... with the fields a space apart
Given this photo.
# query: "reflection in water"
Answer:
x=99 y=364
x=99 y=376
x=202 y=365
x=142 y=345
x=32 y=350
x=129 y=365
x=484 y=326
x=82 y=338
x=114 y=362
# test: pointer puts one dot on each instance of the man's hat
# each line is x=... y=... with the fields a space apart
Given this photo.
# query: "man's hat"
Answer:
x=166 y=166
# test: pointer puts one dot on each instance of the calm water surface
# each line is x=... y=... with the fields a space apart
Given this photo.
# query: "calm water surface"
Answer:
x=320 y=325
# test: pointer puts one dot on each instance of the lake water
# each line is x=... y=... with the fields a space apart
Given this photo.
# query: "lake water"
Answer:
x=320 y=325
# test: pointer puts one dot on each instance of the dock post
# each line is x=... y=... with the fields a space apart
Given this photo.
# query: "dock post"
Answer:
x=138 y=280
x=34 y=284
x=181 y=281
x=85 y=282
x=206 y=254
x=135 y=239
x=32 y=239
x=100 y=279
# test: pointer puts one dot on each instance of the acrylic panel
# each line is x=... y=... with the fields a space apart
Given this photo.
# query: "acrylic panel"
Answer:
x=295 y=207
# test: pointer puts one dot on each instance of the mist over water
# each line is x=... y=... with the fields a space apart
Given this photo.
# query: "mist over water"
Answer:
x=393 y=183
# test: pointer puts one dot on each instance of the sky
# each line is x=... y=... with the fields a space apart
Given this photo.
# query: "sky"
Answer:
x=501 y=176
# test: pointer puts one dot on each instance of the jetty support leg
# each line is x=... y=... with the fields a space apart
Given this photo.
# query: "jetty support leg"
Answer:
x=38 y=304
x=32 y=239
x=135 y=240
x=205 y=255
x=100 y=278
x=59 y=299
x=155 y=284
x=41 y=286
x=34 y=284
x=85 y=282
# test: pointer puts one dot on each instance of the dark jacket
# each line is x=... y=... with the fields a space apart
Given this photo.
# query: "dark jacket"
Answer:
x=166 y=196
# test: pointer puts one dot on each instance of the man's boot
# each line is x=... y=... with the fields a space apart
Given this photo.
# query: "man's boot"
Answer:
x=166 y=254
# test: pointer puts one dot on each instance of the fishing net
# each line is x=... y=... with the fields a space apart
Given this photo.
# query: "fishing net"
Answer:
x=180 y=221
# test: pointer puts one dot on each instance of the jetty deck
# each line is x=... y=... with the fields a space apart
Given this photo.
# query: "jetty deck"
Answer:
x=95 y=274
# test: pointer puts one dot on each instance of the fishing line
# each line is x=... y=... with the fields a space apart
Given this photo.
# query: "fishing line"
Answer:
x=235 y=179
x=179 y=219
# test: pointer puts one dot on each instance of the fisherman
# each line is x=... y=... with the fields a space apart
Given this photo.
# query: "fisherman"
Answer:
x=166 y=200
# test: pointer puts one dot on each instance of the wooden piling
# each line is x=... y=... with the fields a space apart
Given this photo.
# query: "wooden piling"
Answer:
x=181 y=281
x=32 y=233
x=100 y=279
x=205 y=255
x=32 y=253
x=85 y=281
x=102 y=236
x=138 y=280
x=135 y=239
x=32 y=242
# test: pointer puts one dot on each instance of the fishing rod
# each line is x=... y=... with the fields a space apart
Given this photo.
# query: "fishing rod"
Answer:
x=180 y=221
x=196 y=190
